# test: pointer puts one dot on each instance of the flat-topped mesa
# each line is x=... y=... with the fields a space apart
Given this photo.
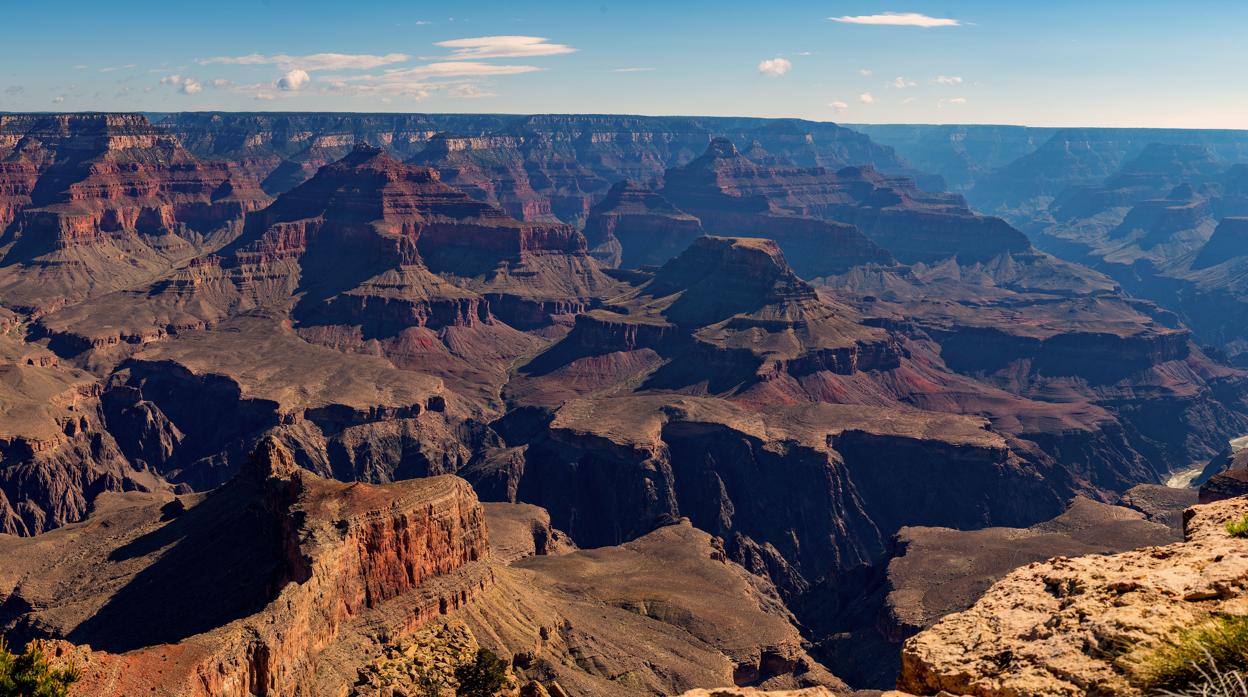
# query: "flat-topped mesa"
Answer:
x=402 y=213
x=635 y=226
x=732 y=194
x=1229 y=240
x=1160 y=220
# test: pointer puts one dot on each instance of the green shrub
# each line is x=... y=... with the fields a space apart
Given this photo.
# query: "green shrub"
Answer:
x=1238 y=528
x=29 y=675
x=1205 y=654
x=485 y=676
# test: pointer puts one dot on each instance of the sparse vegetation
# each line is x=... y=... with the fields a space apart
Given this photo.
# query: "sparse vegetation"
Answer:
x=1207 y=659
x=485 y=676
x=29 y=674
x=1238 y=528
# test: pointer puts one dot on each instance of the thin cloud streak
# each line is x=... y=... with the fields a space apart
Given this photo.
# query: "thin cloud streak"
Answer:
x=898 y=19
x=482 y=47
x=313 y=62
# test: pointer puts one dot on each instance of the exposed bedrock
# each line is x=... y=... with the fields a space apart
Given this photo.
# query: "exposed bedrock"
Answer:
x=312 y=565
x=196 y=429
x=795 y=505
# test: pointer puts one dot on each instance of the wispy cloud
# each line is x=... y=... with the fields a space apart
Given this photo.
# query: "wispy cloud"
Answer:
x=313 y=62
x=898 y=19
x=632 y=70
x=865 y=72
x=504 y=47
x=452 y=78
x=838 y=106
x=445 y=69
x=953 y=100
x=774 y=67
x=902 y=83
x=866 y=98
x=947 y=80
x=60 y=99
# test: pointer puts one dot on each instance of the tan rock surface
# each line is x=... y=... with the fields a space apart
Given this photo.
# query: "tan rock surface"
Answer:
x=1074 y=626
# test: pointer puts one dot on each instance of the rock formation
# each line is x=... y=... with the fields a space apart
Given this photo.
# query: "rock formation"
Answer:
x=314 y=569
x=1072 y=626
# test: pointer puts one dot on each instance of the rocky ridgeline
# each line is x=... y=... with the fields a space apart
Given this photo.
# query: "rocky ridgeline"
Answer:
x=1078 y=626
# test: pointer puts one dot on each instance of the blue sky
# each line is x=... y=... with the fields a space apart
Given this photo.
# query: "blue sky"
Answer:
x=1107 y=62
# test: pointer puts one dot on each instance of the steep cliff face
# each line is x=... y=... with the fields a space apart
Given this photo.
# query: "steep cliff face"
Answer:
x=635 y=226
x=533 y=167
x=101 y=201
x=1070 y=626
x=319 y=567
x=608 y=468
x=1086 y=157
x=56 y=455
x=725 y=315
x=731 y=194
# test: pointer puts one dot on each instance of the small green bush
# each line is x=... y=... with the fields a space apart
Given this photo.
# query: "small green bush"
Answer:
x=29 y=675
x=485 y=676
x=1213 y=649
x=1238 y=528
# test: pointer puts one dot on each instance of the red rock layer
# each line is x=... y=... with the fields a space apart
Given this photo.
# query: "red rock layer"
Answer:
x=349 y=550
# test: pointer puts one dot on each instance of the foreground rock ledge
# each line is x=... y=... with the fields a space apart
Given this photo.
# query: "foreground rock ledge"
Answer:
x=1076 y=626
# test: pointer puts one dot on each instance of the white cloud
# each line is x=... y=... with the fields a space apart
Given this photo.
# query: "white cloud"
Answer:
x=947 y=80
x=293 y=80
x=866 y=98
x=220 y=84
x=838 y=106
x=81 y=66
x=632 y=70
x=58 y=100
x=313 y=62
x=263 y=97
x=865 y=72
x=185 y=85
x=504 y=47
x=898 y=19
x=909 y=100
x=775 y=67
x=954 y=100
x=902 y=83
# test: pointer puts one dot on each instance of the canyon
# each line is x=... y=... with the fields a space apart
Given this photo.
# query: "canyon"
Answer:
x=644 y=405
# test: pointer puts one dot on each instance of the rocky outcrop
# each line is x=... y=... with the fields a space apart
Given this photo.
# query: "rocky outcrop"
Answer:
x=1229 y=240
x=1070 y=626
x=107 y=201
x=56 y=455
x=317 y=566
x=635 y=226
x=735 y=196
